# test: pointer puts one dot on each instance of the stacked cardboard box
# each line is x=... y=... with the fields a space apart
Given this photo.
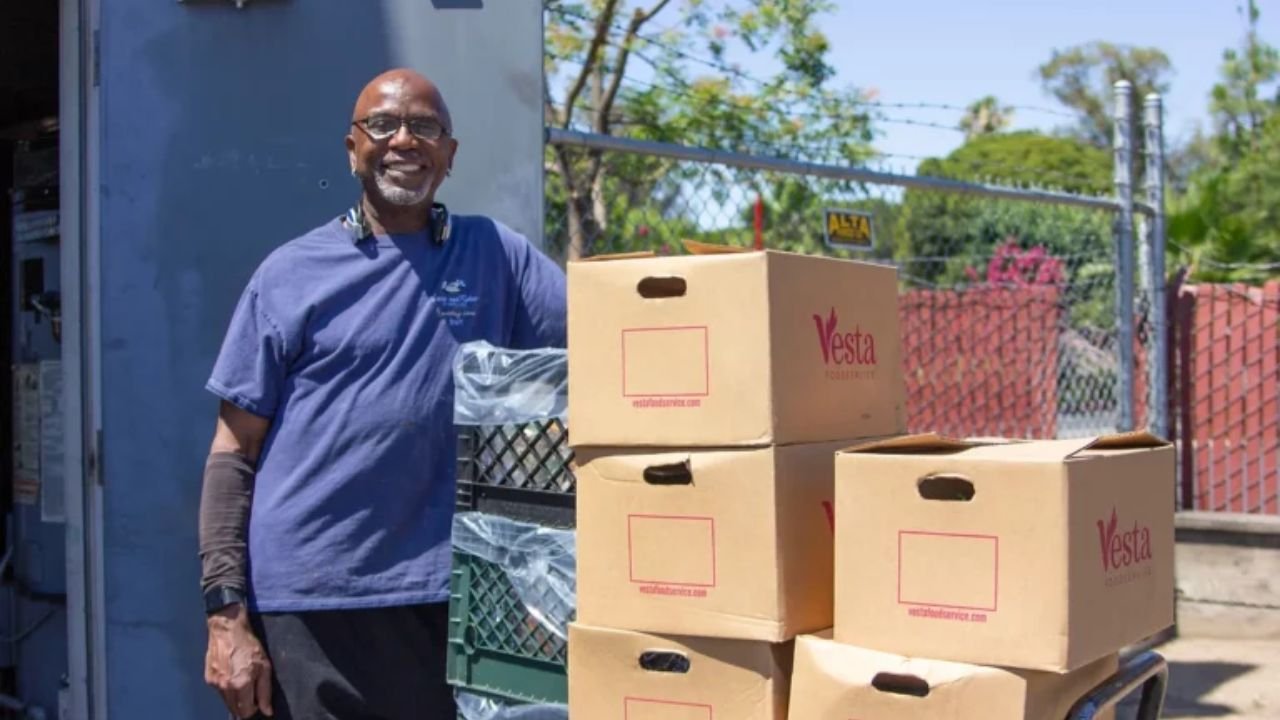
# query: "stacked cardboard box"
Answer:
x=834 y=679
x=708 y=396
x=759 y=538
x=1019 y=569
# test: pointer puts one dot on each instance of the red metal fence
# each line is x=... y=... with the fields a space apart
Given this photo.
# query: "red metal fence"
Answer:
x=1225 y=395
x=982 y=361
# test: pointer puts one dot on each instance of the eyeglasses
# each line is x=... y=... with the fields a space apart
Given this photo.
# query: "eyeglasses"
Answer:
x=384 y=127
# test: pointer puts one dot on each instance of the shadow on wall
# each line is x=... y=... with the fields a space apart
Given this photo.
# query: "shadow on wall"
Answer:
x=223 y=138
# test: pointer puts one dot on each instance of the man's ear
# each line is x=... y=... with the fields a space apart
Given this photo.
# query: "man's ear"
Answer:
x=351 y=153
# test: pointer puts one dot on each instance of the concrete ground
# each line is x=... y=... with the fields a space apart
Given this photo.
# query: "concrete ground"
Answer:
x=1225 y=662
x=1222 y=679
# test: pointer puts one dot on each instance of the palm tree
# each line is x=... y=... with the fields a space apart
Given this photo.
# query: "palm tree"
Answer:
x=985 y=117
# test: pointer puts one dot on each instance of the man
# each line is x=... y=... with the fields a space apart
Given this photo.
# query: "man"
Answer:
x=328 y=492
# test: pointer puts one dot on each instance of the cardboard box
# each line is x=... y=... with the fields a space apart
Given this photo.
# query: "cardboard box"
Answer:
x=622 y=675
x=834 y=681
x=730 y=543
x=732 y=349
x=1041 y=555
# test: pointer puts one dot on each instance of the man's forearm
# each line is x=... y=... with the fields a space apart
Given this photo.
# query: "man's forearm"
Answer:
x=224 y=520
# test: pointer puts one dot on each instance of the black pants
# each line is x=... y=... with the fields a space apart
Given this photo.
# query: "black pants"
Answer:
x=379 y=664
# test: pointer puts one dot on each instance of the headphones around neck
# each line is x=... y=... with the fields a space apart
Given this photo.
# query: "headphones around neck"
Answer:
x=440 y=227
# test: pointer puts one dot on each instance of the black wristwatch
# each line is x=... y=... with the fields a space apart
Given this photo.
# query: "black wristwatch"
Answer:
x=221 y=596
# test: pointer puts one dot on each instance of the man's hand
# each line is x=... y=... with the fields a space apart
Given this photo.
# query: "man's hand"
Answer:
x=236 y=665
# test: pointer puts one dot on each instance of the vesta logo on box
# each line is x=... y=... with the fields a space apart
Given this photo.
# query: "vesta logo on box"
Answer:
x=855 y=348
x=1124 y=549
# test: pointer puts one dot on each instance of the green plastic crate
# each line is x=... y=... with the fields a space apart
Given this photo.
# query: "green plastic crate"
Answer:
x=496 y=646
x=522 y=471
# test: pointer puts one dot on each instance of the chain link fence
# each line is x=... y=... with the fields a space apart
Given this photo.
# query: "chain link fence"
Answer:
x=1007 y=295
x=1225 y=354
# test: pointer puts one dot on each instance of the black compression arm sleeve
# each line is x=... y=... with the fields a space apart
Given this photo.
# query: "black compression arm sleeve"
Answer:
x=224 y=520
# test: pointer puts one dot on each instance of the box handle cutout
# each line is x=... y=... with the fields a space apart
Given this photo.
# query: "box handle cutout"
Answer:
x=900 y=684
x=664 y=662
x=661 y=287
x=946 y=487
x=673 y=474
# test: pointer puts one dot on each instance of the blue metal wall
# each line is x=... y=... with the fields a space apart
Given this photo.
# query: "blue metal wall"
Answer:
x=221 y=138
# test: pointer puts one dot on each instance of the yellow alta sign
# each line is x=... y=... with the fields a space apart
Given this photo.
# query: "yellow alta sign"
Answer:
x=848 y=229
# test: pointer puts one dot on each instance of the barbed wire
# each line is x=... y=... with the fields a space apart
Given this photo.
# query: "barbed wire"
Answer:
x=755 y=146
x=1063 y=179
x=727 y=69
x=714 y=64
x=688 y=93
x=987 y=172
x=786 y=104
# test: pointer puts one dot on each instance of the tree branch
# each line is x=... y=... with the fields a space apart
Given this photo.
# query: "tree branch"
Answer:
x=643 y=17
x=566 y=168
x=637 y=21
x=549 y=105
x=603 y=25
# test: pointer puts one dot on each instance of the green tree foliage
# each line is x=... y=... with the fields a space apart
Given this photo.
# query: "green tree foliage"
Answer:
x=1226 y=225
x=1028 y=158
x=1083 y=78
x=658 y=70
x=951 y=239
x=1238 y=104
x=1230 y=217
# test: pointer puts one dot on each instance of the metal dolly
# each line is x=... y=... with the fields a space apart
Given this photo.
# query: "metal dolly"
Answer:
x=1147 y=669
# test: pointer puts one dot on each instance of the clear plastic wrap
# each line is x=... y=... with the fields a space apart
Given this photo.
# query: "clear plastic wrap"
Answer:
x=500 y=386
x=539 y=561
x=475 y=707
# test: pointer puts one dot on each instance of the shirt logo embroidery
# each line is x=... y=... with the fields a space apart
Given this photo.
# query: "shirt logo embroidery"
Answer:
x=455 y=305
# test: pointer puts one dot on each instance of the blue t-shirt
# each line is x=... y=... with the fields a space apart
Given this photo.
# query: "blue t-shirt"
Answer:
x=348 y=347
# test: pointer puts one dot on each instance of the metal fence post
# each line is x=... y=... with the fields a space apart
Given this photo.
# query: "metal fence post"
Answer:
x=1124 y=249
x=1158 y=348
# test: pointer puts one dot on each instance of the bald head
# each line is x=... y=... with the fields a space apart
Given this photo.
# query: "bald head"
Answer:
x=404 y=85
x=401 y=146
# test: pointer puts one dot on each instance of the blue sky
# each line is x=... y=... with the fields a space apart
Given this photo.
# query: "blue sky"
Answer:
x=953 y=52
